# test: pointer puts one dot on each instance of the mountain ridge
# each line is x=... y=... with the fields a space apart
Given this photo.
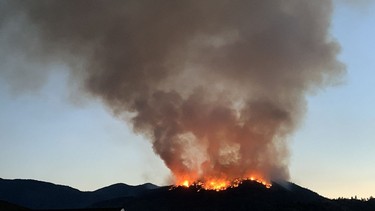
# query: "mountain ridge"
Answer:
x=20 y=194
x=36 y=194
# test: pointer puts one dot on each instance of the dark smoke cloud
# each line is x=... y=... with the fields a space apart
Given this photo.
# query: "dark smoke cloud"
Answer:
x=217 y=85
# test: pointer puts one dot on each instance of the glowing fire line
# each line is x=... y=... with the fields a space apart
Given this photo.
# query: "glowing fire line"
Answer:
x=221 y=184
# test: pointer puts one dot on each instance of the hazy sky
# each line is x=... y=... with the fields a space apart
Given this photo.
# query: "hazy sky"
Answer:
x=46 y=136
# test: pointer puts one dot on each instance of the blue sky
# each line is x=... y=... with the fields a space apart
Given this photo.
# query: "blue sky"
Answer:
x=333 y=152
x=46 y=136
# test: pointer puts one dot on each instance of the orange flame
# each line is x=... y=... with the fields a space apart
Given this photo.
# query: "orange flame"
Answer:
x=218 y=184
x=185 y=183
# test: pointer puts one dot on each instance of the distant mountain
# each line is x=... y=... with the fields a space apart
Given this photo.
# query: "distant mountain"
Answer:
x=250 y=195
x=43 y=195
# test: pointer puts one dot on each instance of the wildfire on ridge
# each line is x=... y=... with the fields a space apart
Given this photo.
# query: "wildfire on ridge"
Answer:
x=221 y=184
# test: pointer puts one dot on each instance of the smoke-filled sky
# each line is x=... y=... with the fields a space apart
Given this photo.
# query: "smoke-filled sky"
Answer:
x=150 y=91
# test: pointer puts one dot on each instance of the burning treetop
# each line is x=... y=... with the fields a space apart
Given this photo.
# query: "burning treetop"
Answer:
x=220 y=184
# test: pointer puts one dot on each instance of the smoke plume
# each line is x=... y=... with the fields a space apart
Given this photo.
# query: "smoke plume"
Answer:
x=216 y=85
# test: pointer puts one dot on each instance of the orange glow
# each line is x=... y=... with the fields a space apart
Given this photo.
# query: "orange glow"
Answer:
x=185 y=183
x=218 y=184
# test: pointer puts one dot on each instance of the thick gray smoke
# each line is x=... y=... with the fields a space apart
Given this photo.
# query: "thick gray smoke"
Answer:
x=216 y=85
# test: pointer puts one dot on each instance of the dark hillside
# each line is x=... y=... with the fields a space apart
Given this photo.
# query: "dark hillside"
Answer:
x=43 y=195
x=250 y=195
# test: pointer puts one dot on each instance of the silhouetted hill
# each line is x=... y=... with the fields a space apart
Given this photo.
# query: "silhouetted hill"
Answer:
x=40 y=195
x=249 y=195
x=117 y=191
x=43 y=195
